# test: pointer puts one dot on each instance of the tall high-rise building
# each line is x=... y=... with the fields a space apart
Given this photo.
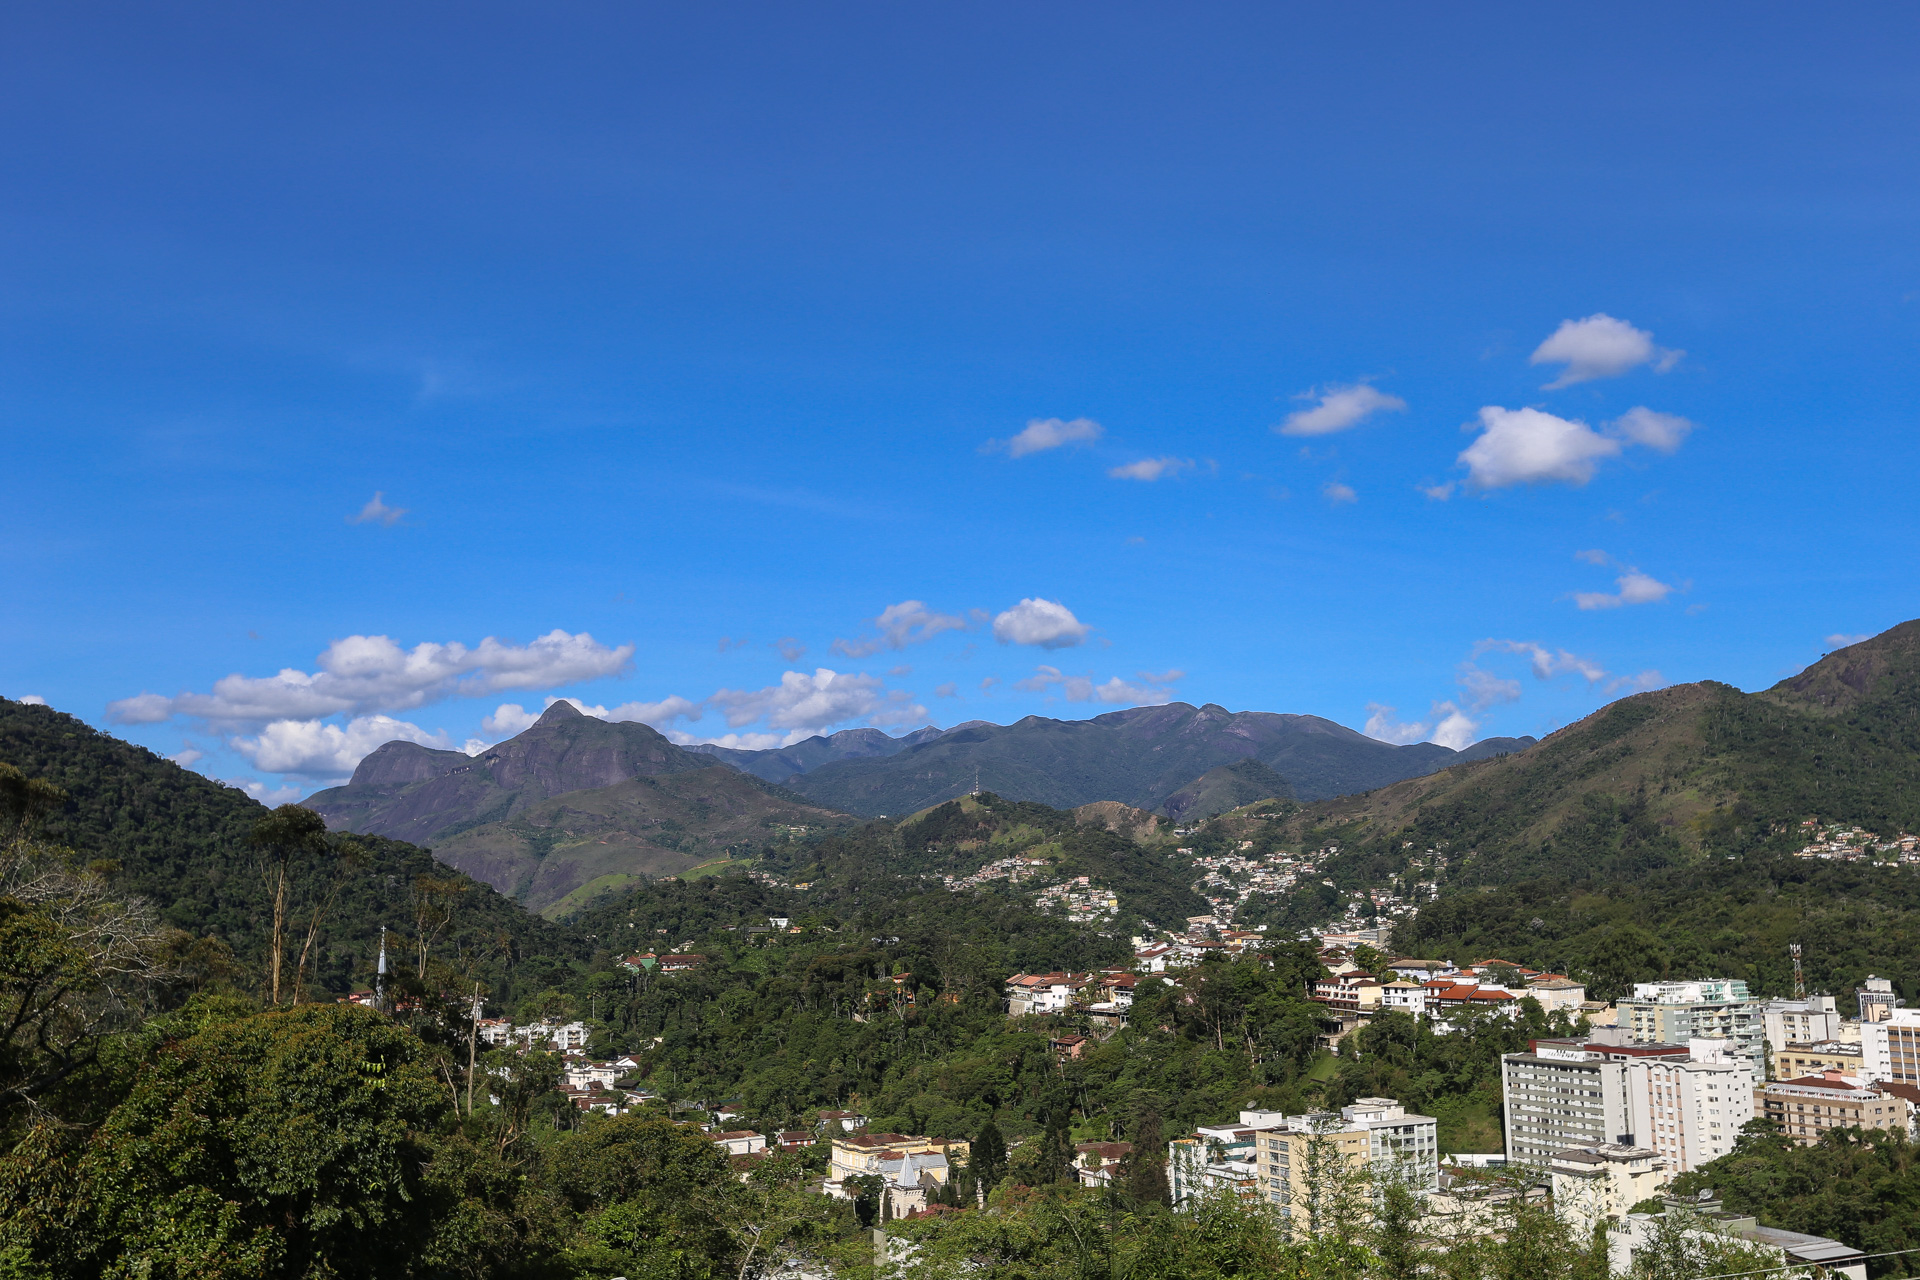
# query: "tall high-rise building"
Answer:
x=1890 y=1047
x=1375 y=1136
x=1690 y=1109
x=1570 y=1093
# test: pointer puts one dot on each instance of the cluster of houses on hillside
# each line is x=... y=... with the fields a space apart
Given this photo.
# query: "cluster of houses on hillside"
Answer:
x=1849 y=842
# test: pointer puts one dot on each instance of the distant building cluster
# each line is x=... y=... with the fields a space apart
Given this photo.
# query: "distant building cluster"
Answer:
x=1850 y=842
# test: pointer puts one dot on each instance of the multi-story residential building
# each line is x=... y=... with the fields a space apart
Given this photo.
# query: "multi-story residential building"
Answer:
x=1876 y=999
x=1042 y=992
x=1690 y=1109
x=1707 y=1009
x=1808 y=1107
x=1570 y=1093
x=1215 y=1157
x=1799 y=1021
x=1797 y=1060
x=909 y=1165
x=1407 y=997
x=1377 y=1138
x=1592 y=1184
x=1890 y=1046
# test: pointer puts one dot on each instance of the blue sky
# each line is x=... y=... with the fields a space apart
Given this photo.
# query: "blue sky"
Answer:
x=680 y=346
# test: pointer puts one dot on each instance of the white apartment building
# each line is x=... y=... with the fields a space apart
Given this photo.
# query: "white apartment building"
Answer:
x=1592 y=1184
x=1890 y=1046
x=1690 y=1109
x=1708 y=1008
x=1876 y=999
x=1803 y=1021
x=1570 y=1093
x=1377 y=1136
x=1407 y=997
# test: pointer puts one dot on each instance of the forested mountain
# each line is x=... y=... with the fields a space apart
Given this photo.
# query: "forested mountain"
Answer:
x=1675 y=812
x=571 y=804
x=184 y=843
x=1141 y=757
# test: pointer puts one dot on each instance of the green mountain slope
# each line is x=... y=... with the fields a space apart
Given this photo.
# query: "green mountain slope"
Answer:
x=1657 y=834
x=1139 y=756
x=650 y=826
x=182 y=843
x=1224 y=788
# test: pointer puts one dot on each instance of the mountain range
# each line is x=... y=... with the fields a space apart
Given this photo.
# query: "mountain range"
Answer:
x=571 y=806
x=1141 y=757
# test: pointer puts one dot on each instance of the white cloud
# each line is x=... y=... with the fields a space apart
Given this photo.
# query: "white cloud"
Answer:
x=1546 y=663
x=1600 y=347
x=1838 y=640
x=363 y=674
x=791 y=650
x=1046 y=623
x=1635 y=588
x=1485 y=689
x=1593 y=557
x=1050 y=433
x=1446 y=725
x=899 y=625
x=1526 y=446
x=32 y=700
x=1149 y=689
x=1338 y=409
x=946 y=690
x=739 y=741
x=810 y=703
x=378 y=512
x=1648 y=679
x=272 y=797
x=508 y=719
x=312 y=748
x=1338 y=493
x=1150 y=469
x=1438 y=492
x=1665 y=432
x=186 y=757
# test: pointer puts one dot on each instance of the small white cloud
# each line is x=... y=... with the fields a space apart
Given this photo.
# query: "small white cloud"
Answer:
x=987 y=683
x=791 y=650
x=1150 y=469
x=1149 y=689
x=1664 y=432
x=1446 y=724
x=508 y=719
x=946 y=690
x=802 y=702
x=899 y=625
x=1648 y=679
x=186 y=757
x=32 y=700
x=1526 y=446
x=1546 y=663
x=1635 y=588
x=272 y=797
x=1485 y=689
x=658 y=714
x=1438 y=492
x=740 y=741
x=1600 y=347
x=1046 y=623
x=474 y=746
x=1593 y=557
x=378 y=512
x=315 y=749
x=900 y=671
x=1042 y=434
x=1839 y=640
x=1338 y=493
x=1338 y=409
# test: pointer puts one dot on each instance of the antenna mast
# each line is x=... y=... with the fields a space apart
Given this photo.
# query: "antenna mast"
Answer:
x=1799 y=981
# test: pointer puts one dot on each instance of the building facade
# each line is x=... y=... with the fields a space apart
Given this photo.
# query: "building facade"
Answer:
x=1708 y=1009
x=1806 y=1108
x=1307 y=1163
x=1570 y=1093
x=1690 y=1109
x=1890 y=1046
x=1802 y=1021
x=1593 y=1184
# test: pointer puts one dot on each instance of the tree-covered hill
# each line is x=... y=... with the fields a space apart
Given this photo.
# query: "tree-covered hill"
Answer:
x=183 y=842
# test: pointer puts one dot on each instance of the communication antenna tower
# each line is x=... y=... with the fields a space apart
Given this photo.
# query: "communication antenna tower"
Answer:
x=380 y=973
x=976 y=780
x=1799 y=982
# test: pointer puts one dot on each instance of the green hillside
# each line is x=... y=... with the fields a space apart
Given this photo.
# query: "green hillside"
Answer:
x=1656 y=834
x=182 y=843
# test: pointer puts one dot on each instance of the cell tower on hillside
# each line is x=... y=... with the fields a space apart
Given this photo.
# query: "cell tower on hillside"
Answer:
x=976 y=781
x=1799 y=981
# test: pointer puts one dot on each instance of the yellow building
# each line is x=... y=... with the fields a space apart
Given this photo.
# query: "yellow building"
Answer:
x=878 y=1152
x=1316 y=1168
x=1797 y=1060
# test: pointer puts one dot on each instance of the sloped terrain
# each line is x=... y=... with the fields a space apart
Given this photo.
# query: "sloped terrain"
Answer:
x=643 y=827
x=1139 y=757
